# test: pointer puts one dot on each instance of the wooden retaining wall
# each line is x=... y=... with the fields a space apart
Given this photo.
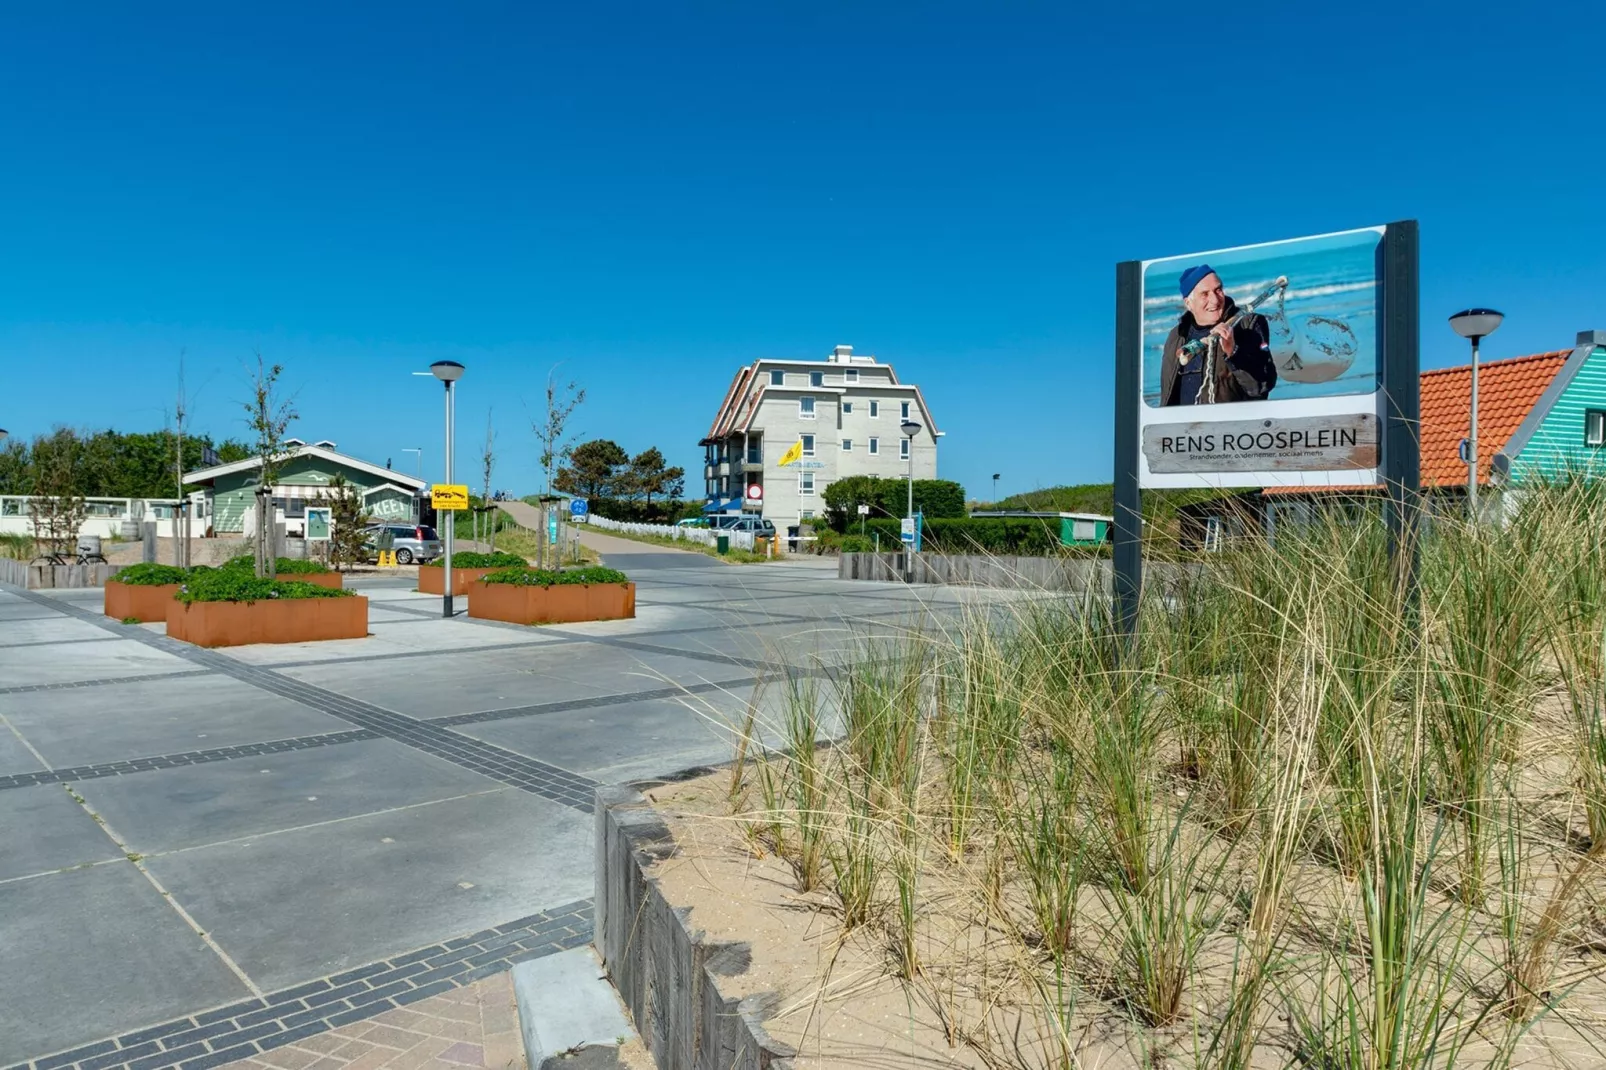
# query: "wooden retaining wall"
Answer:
x=665 y=971
x=37 y=577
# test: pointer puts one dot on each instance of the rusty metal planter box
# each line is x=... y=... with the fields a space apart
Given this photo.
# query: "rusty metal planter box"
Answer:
x=286 y=620
x=562 y=603
x=430 y=579
x=144 y=603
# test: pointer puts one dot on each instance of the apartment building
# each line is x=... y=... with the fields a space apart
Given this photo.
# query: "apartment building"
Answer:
x=847 y=411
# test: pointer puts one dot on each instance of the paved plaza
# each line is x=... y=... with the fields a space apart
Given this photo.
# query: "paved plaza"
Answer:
x=208 y=856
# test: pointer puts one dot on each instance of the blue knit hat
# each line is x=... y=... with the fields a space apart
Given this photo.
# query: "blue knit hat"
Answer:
x=1191 y=277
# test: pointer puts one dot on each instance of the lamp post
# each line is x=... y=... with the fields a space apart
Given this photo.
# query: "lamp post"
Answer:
x=1475 y=324
x=448 y=372
x=910 y=429
x=995 y=490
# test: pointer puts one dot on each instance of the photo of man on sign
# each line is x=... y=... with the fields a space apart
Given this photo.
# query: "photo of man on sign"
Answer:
x=1217 y=352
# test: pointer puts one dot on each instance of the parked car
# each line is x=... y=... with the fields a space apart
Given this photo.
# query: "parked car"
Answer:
x=412 y=542
x=756 y=525
x=692 y=522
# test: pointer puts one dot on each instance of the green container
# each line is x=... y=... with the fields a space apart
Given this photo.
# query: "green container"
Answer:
x=722 y=543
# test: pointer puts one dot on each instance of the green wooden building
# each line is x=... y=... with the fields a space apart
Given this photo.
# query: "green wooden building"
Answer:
x=1076 y=529
x=226 y=491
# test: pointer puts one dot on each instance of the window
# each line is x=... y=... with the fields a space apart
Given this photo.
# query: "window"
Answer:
x=777 y=378
x=903 y=449
x=816 y=378
x=1083 y=530
x=808 y=514
x=851 y=375
x=847 y=408
x=903 y=410
x=1594 y=427
x=875 y=410
x=875 y=446
x=805 y=408
x=808 y=445
x=805 y=484
x=847 y=445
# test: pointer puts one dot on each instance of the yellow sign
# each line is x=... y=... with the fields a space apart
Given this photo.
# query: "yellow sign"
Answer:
x=449 y=495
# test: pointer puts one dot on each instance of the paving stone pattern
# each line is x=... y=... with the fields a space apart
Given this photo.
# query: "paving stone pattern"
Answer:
x=194 y=757
x=254 y=1028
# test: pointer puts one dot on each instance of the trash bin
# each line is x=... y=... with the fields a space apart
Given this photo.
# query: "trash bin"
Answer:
x=722 y=544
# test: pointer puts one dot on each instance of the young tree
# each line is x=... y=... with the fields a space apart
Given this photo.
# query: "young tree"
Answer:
x=595 y=469
x=553 y=431
x=649 y=475
x=268 y=416
x=487 y=466
x=57 y=509
x=347 y=519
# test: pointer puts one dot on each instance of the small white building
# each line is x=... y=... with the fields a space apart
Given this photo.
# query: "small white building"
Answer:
x=847 y=412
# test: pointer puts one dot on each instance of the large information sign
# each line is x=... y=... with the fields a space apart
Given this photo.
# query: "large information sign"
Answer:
x=1261 y=364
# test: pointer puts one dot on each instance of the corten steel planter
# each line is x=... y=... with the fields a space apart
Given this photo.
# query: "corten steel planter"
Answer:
x=144 y=603
x=430 y=579
x=317 y=579
x=271 y=620
x=562 y=603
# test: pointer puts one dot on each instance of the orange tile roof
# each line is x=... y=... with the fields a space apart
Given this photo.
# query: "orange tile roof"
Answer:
x=1507 y=392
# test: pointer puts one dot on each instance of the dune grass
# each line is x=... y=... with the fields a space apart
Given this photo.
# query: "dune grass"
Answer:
x=1310 y=820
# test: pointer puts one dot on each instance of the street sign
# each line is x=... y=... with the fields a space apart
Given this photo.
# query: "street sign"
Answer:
x=755 y=492
x=578 y=507
x=864 y=510
x=448 y=496
x=906 y=529
x=552 y=527
x=1461 y=451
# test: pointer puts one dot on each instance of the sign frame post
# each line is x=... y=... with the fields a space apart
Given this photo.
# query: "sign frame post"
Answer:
x=1402 y=397
x=1127 y=551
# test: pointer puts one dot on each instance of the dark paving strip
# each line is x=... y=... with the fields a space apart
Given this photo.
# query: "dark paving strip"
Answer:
x=503 y=766
x=106 y=681
x=193 y=757
x=240 y=1030
x=590 y=703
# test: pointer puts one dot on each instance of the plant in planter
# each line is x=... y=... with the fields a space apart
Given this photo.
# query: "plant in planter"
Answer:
x=289 y=568
x=141 y=593
x=466 y=568
x=543 y=596
x=232 y=607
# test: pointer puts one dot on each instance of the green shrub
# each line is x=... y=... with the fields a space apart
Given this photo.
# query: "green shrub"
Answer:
x=545 y=577
x=150 y=575
x=855 y=544
x=240 y=585
x=284 y=564
x=472 y=559
x=889 y=497
x=1022 y=536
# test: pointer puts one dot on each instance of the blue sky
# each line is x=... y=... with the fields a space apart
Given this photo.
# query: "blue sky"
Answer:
x=654 y=194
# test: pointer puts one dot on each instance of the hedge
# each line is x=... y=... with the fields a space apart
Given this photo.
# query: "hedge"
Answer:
x=240 y=585
x=473 y=559
x=1019 y=536
x=545 y=577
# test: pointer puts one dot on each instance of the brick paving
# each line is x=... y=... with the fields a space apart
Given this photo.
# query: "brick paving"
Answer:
x=472 y=1027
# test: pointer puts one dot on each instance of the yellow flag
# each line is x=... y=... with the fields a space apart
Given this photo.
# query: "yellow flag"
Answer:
x=792 y=454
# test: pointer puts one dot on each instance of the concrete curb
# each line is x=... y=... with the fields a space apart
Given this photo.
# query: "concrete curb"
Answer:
x=568 y=1013
x=666 y=973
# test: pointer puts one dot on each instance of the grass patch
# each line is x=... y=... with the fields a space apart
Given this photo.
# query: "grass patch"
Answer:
x=734 y=556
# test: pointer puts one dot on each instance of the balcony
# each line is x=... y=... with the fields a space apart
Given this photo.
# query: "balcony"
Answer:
x=753 y=462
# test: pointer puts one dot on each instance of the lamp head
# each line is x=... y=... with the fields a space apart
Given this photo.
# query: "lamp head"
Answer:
x=447 y=371
x=1476 y=323
x=910 y=428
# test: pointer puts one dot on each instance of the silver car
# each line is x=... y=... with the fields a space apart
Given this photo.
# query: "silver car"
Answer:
x=412 y=542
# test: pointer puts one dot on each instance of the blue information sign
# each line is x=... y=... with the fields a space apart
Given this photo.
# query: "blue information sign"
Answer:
x=578 y=507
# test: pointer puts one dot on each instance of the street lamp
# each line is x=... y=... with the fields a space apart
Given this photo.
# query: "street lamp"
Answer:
x=448 y=372
x=1475 y=324
x=910 y=429
x=995 y=489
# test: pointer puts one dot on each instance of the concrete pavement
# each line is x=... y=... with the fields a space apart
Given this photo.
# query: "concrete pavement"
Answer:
x=207 y=856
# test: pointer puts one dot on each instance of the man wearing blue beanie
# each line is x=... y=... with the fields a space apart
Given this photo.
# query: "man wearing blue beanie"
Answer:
x=1233 y=364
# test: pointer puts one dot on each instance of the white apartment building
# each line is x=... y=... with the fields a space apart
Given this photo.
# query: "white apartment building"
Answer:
x=846 y=410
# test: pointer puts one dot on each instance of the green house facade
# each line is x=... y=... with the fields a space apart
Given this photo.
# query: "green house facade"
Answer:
x=1565 y=432
x=303 y=478
x=1075 y=529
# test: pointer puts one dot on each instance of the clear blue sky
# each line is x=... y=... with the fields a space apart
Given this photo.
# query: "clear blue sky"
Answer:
x=655 y=194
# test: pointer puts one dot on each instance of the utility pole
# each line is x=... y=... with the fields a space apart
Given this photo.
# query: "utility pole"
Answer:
x=181 y=534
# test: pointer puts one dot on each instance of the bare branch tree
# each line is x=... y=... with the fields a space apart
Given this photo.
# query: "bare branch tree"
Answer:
x=488 y=465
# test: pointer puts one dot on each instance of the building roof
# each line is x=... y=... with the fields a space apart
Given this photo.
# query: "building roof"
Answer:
x=1508 y=390
x=207 y=475
x=743 y=396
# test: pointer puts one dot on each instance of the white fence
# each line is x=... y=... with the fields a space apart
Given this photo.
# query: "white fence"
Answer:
x=741 y=540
